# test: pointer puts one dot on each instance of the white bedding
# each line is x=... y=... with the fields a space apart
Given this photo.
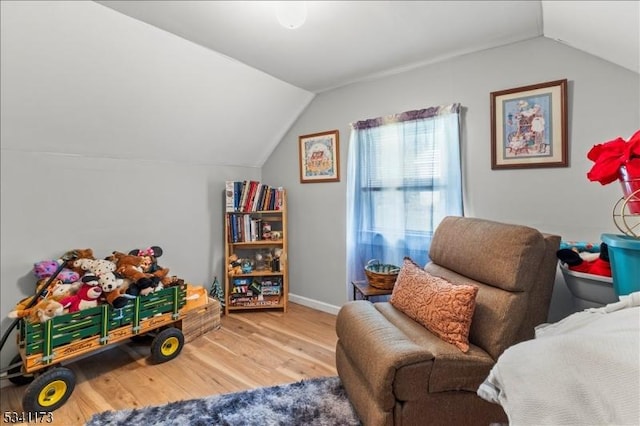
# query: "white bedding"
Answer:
x=583 y=370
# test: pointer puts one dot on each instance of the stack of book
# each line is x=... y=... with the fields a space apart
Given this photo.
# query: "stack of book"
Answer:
x=243 y=228
x=248 y=291
x=271 y=286
x=252 y=196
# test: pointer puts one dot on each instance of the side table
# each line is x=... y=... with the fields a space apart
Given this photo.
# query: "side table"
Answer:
x=367 y=291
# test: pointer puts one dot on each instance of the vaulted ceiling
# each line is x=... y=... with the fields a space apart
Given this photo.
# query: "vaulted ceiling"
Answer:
x=129 y=78
x=346 y=41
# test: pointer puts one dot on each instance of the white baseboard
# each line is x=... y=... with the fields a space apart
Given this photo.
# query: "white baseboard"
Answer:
x=315 y=304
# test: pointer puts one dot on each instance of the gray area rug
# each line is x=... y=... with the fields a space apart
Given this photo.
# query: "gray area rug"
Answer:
x=317 y=402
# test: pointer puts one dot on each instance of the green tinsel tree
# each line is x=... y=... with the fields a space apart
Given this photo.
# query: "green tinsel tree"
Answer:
x=216 y=291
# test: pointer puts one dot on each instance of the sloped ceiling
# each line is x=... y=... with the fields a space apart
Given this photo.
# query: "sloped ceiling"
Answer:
x=346 y=41
x=609 y=30
x=176 y=80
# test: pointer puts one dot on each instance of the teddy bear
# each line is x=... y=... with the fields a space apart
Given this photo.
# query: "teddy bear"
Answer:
x=86 y=297
x=589 y=263
x=235 y=265
x=130 y=268
x=42 y=311
x=46 y=268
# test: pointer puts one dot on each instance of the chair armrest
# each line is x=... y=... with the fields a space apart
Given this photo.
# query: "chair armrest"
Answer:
x=378 y=348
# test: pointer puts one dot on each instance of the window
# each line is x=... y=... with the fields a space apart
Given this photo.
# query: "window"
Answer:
x=403 y=178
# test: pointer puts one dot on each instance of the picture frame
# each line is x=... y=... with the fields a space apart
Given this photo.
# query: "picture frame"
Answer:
x=319 y=157
x=529 y=126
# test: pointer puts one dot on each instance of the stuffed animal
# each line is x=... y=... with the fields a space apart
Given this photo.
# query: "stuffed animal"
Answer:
x=86 y=297
x=150 y=265
x=138 y=282
x=46 y=268
x=129 y=266
x=101 y=272
x=55 y=291
x=94 y=266
x=75 y=254
x=235 y=265
x=40 y=312
x=585 y=262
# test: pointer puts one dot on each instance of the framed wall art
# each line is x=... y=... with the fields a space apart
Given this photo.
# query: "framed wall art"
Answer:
x=529 y=126
x=319 y=157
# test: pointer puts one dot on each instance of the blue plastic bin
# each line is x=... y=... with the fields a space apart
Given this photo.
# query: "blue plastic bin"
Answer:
x=624 y=254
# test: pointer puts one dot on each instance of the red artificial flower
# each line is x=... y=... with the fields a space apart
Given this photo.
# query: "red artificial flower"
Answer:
x=610 y=156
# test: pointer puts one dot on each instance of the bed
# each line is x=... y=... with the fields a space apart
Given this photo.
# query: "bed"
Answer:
x=582 y=370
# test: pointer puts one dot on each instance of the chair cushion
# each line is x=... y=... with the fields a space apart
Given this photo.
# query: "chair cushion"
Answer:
x=501 y=255
x=443 y=308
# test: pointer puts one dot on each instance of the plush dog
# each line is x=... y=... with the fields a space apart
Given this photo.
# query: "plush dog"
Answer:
x=101 y=272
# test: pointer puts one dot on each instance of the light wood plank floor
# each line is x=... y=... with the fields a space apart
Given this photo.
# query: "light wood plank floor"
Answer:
x=251 y=349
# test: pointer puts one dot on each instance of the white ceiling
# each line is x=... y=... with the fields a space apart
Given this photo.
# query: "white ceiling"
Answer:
x=347 y=41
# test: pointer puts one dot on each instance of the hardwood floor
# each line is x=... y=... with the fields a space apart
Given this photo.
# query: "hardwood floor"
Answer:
x=251 y=349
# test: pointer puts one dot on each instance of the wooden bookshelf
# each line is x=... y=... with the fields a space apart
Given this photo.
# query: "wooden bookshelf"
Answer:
x=257 y=275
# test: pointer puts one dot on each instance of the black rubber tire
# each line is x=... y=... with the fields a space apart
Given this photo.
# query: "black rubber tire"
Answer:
x=49 y=391
x=167 y=345
x=25 y=379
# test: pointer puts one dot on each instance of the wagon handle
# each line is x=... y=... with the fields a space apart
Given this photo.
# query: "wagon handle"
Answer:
x=66 y=257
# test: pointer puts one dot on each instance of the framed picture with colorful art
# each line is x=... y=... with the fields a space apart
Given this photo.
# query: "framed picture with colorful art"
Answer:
x=529 y=126
x=319 y=157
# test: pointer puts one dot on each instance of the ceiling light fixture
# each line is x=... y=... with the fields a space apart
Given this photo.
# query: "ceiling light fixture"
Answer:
x=291 y=14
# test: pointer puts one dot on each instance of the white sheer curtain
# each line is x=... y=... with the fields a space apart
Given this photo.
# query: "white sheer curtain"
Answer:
x=403 y=177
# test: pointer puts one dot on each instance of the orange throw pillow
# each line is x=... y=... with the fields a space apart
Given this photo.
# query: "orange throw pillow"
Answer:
x=443 y=308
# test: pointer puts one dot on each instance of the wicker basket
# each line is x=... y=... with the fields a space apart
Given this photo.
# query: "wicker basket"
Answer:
x=382 y=276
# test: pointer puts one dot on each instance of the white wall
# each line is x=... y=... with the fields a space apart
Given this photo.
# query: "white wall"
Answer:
x=603 y=102
x=117 y=135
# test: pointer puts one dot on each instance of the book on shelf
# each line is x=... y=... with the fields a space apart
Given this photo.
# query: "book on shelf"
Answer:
x=251 y=196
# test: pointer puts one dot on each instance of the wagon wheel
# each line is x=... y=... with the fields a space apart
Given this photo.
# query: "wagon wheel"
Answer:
x=50 y=390
x=167 y=345
x=19 y=379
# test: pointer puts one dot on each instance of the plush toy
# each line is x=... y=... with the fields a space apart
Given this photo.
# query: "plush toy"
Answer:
x=145 y=286
x=55 y=291
x=101 y=272
x=78 y=254
x=40 y=312
x=138 y=282
x=94 y=266
x=235 y=265
x=86 y=297
x=46 y=268
x=129 y=266
x=585 y=262
x=150 y=265
x=276 y=235
x=40 y=292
